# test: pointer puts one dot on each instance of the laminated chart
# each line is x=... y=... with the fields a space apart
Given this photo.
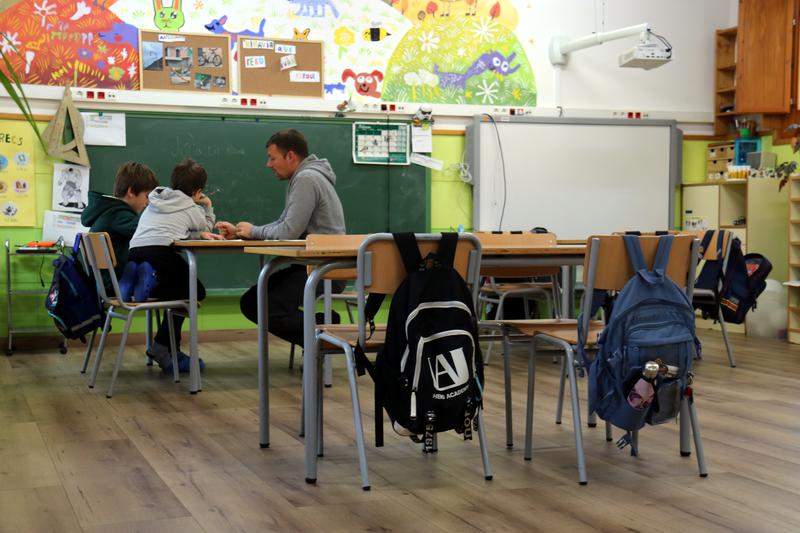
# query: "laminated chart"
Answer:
x=381 y=143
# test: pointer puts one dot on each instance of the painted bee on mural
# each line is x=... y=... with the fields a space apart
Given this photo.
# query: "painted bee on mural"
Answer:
x=375 y=33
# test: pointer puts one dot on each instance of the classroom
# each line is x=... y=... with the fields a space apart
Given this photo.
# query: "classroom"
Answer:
x=358 y=265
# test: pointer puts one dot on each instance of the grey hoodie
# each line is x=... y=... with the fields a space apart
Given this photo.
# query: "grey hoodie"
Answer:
x=312 y=205
x=171 y=216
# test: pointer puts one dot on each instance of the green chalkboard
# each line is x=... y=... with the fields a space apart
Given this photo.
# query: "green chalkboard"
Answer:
x=375 y=198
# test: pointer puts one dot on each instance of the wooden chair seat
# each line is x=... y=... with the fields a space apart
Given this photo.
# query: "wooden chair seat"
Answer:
x=563 y=329
x=116 y=302
x=349 y=334
x=500 y=288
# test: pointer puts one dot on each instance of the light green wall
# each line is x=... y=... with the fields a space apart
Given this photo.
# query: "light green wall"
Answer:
x=451 y=206
x=451 y=198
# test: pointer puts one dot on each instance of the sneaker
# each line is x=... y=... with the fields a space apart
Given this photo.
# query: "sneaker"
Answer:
x=128 y=281
x=146 y=281
x=160 y=354
x=184 y=364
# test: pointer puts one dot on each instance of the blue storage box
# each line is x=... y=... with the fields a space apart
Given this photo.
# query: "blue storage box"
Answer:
x=744 y=147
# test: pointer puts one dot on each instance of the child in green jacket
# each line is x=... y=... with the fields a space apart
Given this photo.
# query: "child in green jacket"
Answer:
x=118 y=215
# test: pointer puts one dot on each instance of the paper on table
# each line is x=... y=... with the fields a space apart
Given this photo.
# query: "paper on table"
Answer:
x=57 y=224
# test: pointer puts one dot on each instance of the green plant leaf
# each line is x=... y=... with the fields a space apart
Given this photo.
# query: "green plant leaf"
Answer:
x=13 y=86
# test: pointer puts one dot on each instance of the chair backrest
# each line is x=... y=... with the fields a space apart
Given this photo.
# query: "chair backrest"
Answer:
x=335 y=242
x=497 y=239
x=381 y=268
x=613 y=269
x=384 y=270
x=711 y=250
x=607 y=267
x=99 y=253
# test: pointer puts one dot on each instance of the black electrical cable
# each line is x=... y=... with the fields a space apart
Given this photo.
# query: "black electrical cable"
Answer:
x=663 y=40
x=503 y=166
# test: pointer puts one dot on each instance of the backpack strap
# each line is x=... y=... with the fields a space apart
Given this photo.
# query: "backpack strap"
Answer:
x=634 y=248
x=406 y=242
x=704 y=242
x=447 y=249
x=662 y=254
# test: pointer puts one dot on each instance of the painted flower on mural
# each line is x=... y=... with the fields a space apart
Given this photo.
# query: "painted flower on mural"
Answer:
x=475 y=63
x=487 y=92
x=10 y=42
x=343 y=36
x=132 y=71
x=84 y=53
x=115 y=73
x=484 y=30
x=43 y=10
x=430 y=42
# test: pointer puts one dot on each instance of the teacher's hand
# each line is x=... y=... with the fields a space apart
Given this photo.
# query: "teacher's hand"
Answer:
x=244 y=230
x=226 y=229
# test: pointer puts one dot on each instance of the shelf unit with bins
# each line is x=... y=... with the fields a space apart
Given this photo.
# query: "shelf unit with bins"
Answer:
x=725 y=80
x=794 y=260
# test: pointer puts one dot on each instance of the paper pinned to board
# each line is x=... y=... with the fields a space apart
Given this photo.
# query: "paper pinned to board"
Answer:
x=421 y=138
x=425 y=161
x=104 y=129
x=57 y=224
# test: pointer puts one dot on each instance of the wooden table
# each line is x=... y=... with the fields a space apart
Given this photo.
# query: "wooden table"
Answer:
x=325 y=260
x=192 y=248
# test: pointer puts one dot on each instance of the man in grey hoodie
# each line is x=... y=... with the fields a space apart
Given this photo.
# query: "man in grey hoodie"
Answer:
x=312 y=206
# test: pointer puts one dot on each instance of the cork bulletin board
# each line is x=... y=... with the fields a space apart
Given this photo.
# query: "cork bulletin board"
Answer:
x=185 y=61
x=282 y=67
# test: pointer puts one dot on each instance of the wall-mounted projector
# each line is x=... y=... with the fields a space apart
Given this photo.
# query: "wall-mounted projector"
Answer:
x=646 y=56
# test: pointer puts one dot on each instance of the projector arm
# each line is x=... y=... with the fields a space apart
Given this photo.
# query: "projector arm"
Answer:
x=561 y=46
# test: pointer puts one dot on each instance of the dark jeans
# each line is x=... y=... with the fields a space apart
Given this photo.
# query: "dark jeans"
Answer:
x=173 y=283
x=285 y=298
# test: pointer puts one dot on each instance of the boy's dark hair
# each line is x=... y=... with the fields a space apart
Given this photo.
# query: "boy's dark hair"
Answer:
x=290 y=139
x=135 y=176
x=188 y=177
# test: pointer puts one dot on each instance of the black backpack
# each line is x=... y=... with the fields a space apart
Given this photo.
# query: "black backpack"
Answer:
x=72 y=299
x=429 y=373
x=744 y=279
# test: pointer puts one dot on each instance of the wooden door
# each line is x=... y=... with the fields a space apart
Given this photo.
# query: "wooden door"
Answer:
x=764 y=62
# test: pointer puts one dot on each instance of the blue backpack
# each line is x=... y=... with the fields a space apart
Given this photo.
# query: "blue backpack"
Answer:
x=652 y=320
x=72 y=299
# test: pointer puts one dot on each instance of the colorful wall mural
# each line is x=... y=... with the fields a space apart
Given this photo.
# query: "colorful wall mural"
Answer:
x=437 y=51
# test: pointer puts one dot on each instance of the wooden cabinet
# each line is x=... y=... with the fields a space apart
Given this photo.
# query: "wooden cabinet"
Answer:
x=725 y=81
x=794 y=260
x=765 y=41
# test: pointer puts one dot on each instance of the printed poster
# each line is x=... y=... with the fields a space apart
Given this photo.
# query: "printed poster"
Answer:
x=70 y=187
x=17 y=178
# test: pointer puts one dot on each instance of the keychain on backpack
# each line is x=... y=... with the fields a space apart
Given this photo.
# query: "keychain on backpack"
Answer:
x=430 y=419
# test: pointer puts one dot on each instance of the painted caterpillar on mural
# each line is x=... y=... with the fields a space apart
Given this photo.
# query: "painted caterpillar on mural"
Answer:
x=493 y=61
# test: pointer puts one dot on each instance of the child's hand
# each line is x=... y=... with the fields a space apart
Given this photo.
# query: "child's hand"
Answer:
x=208 y=236
x=201 y=199
x=226 y=229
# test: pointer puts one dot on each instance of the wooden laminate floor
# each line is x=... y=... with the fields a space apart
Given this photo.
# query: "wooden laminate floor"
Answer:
x=155 y=458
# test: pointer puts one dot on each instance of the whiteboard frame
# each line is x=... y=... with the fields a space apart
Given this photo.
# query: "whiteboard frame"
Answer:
x=473 y=142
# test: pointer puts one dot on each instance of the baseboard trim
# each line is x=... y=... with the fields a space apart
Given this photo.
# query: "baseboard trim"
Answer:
x=23 y=343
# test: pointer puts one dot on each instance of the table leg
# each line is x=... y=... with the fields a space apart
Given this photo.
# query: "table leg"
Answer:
x=194 y=368
x=263 y=350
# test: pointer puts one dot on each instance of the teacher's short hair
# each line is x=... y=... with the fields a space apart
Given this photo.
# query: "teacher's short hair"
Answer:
x=135 y=176
x=188 y=177
x=290 y=139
